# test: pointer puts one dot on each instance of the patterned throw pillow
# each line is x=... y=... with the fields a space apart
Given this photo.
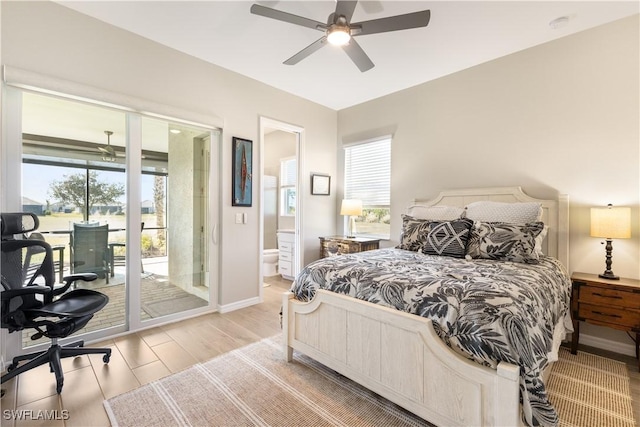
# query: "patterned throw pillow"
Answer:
x=505 y=242
x=448 y=238
x=414 y=233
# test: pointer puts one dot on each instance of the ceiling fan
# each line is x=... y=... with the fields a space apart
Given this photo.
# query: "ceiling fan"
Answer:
x=108 y=152
x=339 y=30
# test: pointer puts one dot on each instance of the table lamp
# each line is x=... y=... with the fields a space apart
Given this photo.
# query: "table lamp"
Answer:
x=351 y=208
x=610 y=223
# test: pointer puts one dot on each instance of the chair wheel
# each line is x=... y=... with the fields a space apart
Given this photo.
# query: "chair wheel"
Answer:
x=106 y=358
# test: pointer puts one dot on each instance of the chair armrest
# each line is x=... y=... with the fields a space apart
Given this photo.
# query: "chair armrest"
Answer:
x=27 y=290
x=68 y=280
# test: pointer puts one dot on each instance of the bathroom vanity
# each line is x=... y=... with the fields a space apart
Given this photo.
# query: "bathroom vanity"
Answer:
x=286 y=253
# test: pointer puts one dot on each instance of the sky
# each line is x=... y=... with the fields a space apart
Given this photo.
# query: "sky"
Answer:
x=38 y=178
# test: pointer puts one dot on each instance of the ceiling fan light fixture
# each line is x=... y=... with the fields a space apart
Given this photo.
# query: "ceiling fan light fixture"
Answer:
x=338 y=35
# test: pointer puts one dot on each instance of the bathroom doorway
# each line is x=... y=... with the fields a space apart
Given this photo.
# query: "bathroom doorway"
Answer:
x=280 y=207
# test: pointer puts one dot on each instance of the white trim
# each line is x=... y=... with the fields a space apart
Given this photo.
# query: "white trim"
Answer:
x=609 y=345
x=226 y=308
x=32 y=81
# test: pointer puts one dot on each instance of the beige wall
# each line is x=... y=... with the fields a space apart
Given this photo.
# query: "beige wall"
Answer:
x=562 y=117
x=52 y=40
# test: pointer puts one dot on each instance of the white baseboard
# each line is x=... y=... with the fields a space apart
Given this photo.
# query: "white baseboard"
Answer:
x=239 y=304
x=605 y=344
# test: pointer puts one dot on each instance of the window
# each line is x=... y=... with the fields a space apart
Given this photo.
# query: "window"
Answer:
x=288 y=174
x=368 y=178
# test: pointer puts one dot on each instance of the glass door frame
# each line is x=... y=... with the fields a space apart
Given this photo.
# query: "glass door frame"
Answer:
x=11 y=200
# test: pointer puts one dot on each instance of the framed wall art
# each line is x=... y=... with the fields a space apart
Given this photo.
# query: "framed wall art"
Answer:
x=242 y=179
x=320 y=184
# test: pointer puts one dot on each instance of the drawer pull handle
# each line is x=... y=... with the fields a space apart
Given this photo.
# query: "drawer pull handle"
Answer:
x=607 y=314
x=607 y=296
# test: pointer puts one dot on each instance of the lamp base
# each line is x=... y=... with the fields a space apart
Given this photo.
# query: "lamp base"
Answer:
x=609 y=275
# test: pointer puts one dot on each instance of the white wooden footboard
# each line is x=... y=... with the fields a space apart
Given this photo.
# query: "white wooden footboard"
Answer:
x=400 y=357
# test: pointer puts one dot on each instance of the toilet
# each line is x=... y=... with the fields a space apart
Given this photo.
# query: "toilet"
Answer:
x=270 y=262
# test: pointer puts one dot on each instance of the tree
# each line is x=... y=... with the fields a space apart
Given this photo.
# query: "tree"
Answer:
x=72 y=190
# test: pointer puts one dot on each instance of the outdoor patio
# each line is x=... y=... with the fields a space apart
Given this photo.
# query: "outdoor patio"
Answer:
x=158 y=295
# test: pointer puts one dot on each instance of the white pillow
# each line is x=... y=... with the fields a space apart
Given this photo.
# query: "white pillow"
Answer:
x=435 y=213
x=514 y=213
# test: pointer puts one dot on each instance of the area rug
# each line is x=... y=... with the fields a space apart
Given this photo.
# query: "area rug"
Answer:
x=253 y=385
x=589 y=390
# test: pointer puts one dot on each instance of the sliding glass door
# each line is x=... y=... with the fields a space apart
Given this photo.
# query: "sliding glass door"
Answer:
x=174 y=202
x=146 y=181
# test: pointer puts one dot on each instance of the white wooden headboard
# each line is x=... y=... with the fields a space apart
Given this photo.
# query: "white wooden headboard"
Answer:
x=555 y=213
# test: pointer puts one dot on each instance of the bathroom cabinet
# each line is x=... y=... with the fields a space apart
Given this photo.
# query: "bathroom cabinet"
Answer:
x=286 y=251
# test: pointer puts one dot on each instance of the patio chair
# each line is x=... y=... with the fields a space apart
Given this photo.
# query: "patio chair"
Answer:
x=90 y=250
x=35 y=250
x=34 y=303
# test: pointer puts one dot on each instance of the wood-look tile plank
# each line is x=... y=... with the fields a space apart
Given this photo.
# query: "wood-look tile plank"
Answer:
x=114 y=377
x=154 y=336
x=173 y=356
x=135 y=350
x=51 y=415
x=35 y=384
x=151 y=372
x=82 y=397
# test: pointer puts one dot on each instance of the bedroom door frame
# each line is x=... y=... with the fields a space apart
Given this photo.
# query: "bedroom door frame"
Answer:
x=298 y=131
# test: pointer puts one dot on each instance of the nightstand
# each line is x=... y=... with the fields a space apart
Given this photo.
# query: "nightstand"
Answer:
x=604 y=302
x=339 y=245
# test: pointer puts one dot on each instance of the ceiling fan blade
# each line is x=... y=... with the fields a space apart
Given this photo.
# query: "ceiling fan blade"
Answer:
x=346 y=9
x=358 y=56
x=256 y=9
x=306 y=51
x=394 y=23
x=107 y=149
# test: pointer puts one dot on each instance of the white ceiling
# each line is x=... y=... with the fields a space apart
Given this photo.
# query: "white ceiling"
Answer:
x=459 y=35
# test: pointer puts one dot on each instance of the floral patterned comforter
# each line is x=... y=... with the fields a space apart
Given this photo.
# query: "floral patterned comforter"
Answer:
x=490 y=311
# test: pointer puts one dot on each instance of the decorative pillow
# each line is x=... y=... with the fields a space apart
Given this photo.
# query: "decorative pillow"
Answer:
x=414 y=233
x=435 y=213
x=448 y=238
x=514 y=213
x=505 y=242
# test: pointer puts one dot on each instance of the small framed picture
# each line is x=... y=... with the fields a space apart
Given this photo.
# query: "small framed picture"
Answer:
x=320 y=184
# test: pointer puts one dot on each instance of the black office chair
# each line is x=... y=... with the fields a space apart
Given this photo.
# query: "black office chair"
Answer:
x=32 y=302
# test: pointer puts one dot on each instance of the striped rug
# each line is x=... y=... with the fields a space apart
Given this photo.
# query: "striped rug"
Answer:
x=589 y=390
x=253 y=385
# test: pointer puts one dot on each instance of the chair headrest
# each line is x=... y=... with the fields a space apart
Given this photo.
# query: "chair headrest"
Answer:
x=18 y=223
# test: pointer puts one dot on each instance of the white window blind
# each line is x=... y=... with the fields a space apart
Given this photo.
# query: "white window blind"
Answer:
x=288 y=172
x=368 y=173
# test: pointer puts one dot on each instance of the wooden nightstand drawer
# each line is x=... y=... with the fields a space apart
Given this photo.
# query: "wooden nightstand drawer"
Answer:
x=611 y=315
x=340 y=245
x=594 y=295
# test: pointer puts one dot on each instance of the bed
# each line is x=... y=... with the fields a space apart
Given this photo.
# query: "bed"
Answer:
x=416 y=361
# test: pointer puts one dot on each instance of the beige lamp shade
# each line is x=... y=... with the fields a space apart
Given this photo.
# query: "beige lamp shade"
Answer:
x=351 y=207
x=611 y=222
